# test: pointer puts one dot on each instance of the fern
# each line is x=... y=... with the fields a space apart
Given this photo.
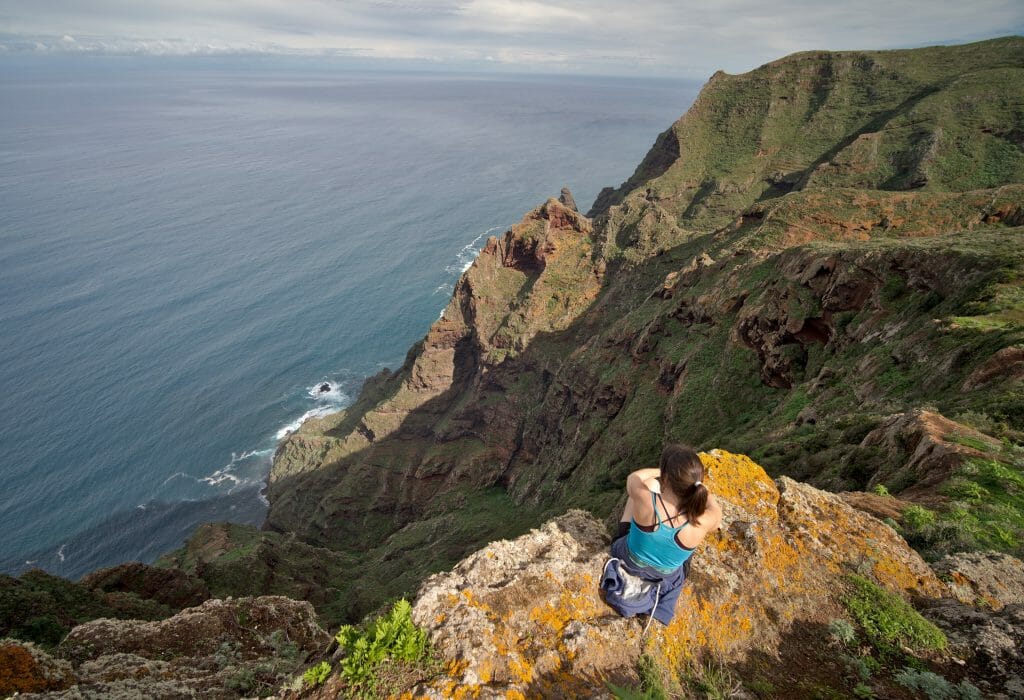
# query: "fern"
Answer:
x=316 y=675
x=390 y=637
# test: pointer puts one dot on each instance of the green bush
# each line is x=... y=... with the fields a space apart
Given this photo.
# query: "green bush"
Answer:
x=862 y=667
x=888 y=621
x=863 y=690
x=917 y=518
x=392 y=637
x=881 y=490
x=316 y=675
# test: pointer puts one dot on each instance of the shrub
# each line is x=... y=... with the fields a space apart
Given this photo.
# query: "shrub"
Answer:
x=917 y=518
x=862 y=667
x=935 y=687
x=392 y=637
x=881 y=490
x=888 y=621
x=712 y=680
x=316 y=675
x=843 y=631
x=651 y=682
x=863 y=690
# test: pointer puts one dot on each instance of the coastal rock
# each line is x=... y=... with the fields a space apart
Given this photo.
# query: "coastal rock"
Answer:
x=25 y=668
x=199 y=631
x=991 y=579
x=445 y=415
x=171 y=587
x=219 y=649
x=566 y=198
x=524 y=618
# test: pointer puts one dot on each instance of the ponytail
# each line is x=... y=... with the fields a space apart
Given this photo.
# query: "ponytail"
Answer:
x=683 y=471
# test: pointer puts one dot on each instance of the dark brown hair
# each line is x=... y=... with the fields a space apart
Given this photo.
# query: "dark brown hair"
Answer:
x=681 y=469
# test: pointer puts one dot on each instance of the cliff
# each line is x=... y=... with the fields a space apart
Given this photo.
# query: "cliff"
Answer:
x=816 y=248
x=819 y=265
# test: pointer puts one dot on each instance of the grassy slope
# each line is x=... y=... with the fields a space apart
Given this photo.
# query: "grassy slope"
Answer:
x=825 y=237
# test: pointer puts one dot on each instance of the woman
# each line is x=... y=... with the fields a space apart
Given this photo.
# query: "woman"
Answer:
x=668 y=513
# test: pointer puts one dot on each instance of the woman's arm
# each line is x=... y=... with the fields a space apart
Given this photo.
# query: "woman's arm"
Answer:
x=639 y=486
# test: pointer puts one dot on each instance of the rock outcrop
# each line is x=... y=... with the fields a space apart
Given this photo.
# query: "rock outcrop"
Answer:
x=920 y=447
x=988 y=579
x=985 y=621
x=220 y=649
x=25 y=668
x=523 y=618
x=990 y=641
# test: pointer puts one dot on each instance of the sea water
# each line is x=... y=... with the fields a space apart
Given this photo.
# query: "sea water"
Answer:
x=197 y=254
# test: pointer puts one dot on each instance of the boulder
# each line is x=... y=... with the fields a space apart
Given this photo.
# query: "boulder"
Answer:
x=25 y=668
x=989 y=579
x=220 y=649
x=991 y=642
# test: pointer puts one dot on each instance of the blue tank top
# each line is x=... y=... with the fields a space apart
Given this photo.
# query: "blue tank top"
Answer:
x=658 y=549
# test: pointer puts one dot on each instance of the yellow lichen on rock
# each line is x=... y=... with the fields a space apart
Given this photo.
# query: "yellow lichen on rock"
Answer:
x=525 y=616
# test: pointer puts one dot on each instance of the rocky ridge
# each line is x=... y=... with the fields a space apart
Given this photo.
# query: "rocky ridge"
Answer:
x=523 y=618
x=219 y=649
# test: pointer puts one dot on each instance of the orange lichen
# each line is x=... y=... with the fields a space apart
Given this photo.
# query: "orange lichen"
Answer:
x=20 y=672
x=741 y=481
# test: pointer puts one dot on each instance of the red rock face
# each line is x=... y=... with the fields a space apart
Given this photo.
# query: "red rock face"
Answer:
x=917 y=442
x=433 y=414
x=1007 y=364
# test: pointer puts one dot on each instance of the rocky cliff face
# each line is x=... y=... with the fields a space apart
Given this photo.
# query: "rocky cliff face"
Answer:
x=817 y=247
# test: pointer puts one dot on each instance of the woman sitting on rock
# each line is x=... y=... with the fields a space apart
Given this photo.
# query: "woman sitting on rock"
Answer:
x=668 y=512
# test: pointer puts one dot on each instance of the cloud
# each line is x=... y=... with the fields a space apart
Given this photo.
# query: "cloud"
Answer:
x=667 y=37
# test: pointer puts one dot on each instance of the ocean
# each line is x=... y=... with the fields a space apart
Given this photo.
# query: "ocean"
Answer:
x=191 y=248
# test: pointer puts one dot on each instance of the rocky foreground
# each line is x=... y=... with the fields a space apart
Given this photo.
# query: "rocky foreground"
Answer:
x=523 y=617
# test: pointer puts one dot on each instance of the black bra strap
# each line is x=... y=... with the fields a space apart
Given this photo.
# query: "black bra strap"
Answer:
x=664 y=508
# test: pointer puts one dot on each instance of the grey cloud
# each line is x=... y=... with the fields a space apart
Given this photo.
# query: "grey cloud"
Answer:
x=651 y=36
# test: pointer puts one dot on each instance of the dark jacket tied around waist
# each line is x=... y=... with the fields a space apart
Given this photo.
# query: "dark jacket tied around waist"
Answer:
x=633 y=589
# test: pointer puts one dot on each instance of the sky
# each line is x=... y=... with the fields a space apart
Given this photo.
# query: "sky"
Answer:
x=611 y=37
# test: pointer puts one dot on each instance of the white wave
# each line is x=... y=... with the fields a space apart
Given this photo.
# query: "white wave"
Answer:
x=60 y=551
x=329 y=400
x=226 y=475
x=177 y=475
x=141 y=506
x=317 y=412
x=469 y=252
x=219 y=477
x=333 y=394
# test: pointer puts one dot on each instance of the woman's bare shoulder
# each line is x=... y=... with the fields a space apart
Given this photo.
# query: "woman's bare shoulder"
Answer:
x=714 y=510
